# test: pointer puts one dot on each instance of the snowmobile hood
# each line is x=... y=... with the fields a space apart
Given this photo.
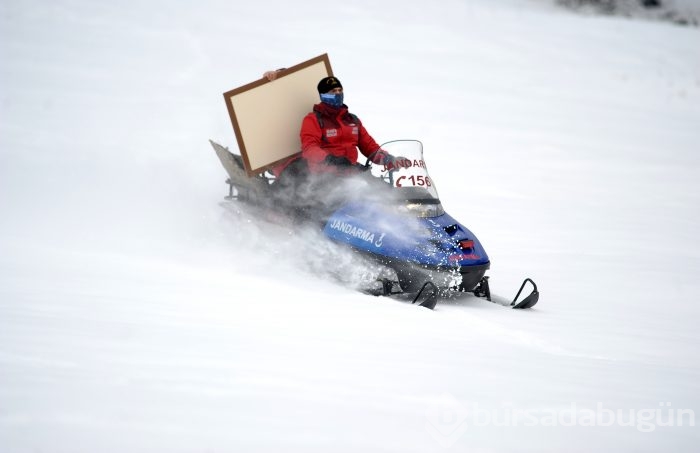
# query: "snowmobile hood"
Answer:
x=392 y=235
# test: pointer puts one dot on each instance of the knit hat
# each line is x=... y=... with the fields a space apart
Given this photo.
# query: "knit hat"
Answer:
x=327 y=84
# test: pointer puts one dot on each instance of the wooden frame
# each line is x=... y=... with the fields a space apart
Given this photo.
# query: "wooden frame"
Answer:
x=267 y=115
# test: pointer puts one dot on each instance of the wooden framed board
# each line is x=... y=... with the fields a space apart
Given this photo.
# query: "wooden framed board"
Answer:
x=267 y=115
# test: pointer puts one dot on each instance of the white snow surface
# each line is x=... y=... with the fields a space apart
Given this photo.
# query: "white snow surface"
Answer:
x=139 y=314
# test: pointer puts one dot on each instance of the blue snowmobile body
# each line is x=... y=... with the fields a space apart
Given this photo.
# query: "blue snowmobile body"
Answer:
x=415 y=236
x=417 y=248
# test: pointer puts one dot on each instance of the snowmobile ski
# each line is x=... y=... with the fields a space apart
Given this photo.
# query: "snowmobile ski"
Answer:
x=430 y=298
x=483 y=290
x=530 y=300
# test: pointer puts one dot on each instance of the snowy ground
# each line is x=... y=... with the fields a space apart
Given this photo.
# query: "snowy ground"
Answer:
x=137 y=314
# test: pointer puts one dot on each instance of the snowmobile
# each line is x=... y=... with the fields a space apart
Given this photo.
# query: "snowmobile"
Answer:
x=389 y=213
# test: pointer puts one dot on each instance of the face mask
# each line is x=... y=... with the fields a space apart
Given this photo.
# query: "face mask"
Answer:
x=334 y=99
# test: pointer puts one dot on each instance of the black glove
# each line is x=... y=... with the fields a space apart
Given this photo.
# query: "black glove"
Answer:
x=338 y=161
x=381 y=157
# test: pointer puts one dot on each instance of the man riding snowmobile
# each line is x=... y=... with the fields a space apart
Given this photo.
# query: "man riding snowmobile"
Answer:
x=330 y=139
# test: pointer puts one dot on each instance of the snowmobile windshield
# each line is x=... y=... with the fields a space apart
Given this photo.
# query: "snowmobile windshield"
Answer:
x=408 y=175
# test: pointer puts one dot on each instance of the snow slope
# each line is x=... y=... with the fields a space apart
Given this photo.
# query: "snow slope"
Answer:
x=137 y=314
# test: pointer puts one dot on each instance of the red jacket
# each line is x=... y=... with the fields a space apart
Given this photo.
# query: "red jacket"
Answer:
x=341 y=135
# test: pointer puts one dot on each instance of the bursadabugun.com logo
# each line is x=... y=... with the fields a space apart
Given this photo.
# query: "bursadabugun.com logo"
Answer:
x=449 y=419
